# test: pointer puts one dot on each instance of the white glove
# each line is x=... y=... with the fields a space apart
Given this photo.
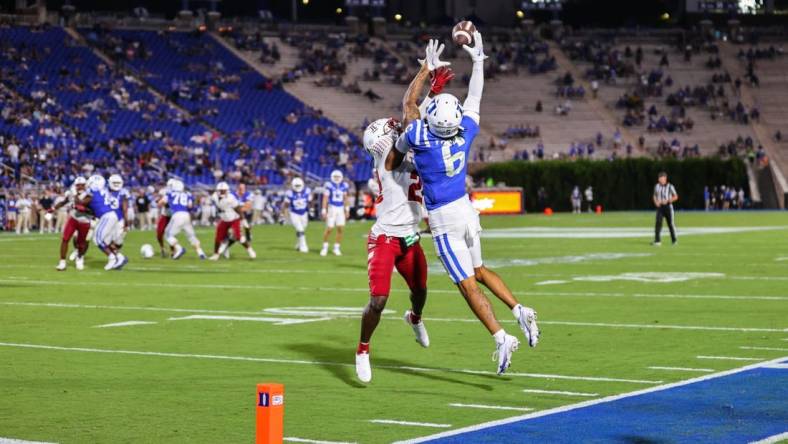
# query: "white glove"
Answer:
x=432 y=55
x=477 y=52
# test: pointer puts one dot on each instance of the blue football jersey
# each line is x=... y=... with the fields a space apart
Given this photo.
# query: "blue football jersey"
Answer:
x=102 y=202
x=179 y=201
x=299 y=202
x=118 y=197
x=441 y=163
x=336 y=193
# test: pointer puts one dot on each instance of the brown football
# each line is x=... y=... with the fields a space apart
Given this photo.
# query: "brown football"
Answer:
x=462 y=33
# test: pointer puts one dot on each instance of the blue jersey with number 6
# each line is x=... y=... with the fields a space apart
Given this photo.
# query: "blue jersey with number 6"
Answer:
x=441 y=163
x=179 y=201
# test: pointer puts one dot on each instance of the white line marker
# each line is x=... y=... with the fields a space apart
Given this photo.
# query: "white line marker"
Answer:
x=683 y=369
x=491 y=407
x=324 y=363
x=313 y=441
x=410 y=423
x=777 y=366
x=21 y=441
x=558 y=392
x=588 y=403
x=772 y=439
x=730 y=358
x=782 y=349
x=292 y=312
x=124 y=324
x=275 y=321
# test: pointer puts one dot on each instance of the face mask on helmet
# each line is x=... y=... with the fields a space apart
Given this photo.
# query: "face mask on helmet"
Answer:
x=298 y=185
x=337 y=176
x=444 y=115
x=380 y=136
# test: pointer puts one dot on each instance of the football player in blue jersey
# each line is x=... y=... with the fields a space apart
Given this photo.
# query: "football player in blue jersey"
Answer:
x=441 y=143
x=104 y=207
x=180 y=202
x=335 y=210
x=296 y=206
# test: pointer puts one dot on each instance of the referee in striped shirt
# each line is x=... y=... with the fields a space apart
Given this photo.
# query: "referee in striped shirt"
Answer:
x=664 y=196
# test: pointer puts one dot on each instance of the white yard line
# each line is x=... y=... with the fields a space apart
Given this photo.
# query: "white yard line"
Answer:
x=21 y=441
x=490 y=407
x=313 y=441
x=782 y=349
x=396 y=318
x=410 y=423
x=589 y=403
x=275 y=321
x=772 y=439
x=124 y=324
x=730 y=358
x=559 y=392
x=682 y=369
x=324 y=363
x=365 y=289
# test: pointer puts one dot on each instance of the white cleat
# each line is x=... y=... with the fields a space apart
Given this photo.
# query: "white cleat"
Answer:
x=252 y=254
x=304 y=249
x=324 y=251
x=363 y=369
x=111 y=262
x=80 y=262
x=61 y=266
x=214 y=257
x=419 y=329
x=526 y=317
x=337 y=252
x=121 y=262
x=73 y=256
x=503 y=353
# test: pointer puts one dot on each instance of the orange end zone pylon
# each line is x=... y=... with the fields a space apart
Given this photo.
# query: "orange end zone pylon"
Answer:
x=270 y=413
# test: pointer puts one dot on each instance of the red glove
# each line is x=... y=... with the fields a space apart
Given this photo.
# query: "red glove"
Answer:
x=440 y=78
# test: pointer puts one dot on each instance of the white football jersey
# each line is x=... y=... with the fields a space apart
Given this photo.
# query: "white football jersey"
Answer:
x=226 y=205
x=399 y=205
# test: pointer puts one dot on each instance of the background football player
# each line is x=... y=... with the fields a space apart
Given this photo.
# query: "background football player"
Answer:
x=335 y=210
x=296 y=209
x=78 y=223
x=229 y=221
x=180 y=203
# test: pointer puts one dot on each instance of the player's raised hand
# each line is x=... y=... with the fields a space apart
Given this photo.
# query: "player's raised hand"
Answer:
x=439 y=79
x=477 y=51
x=432 y=55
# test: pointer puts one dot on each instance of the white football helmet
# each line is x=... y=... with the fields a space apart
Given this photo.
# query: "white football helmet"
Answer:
x=297 y=185
x=115 y=182
x=444 y=115
x=177 y=186
x=96 y=182
x=380 y=135
x=337 y=176
x=170 y=182
x=80 y=181
x=222 y=187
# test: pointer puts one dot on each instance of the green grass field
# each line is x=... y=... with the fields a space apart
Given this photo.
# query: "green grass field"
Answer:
x=609 y=308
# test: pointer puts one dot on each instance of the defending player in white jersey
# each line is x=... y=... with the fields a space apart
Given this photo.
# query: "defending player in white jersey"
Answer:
x=78 y=222
x=394 y=239
x=229 y=221
x=296 y=206
x=180 y=203
x=335 y=210
x=441 y=143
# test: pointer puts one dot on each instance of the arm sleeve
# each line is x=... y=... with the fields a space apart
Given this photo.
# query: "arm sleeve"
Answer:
x=475 y=87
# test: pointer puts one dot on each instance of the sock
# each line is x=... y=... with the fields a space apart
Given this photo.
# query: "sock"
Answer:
x=499 y=336
x=200 y=252
x=414 y=318
x=336 y=246
x=363 y=347
x=325 y=245
x=516 y=311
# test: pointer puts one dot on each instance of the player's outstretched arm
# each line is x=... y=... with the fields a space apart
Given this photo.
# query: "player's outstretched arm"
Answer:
x=476 y=84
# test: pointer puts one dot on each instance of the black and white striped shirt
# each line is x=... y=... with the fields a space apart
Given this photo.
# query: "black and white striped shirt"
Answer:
x=664 y=193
